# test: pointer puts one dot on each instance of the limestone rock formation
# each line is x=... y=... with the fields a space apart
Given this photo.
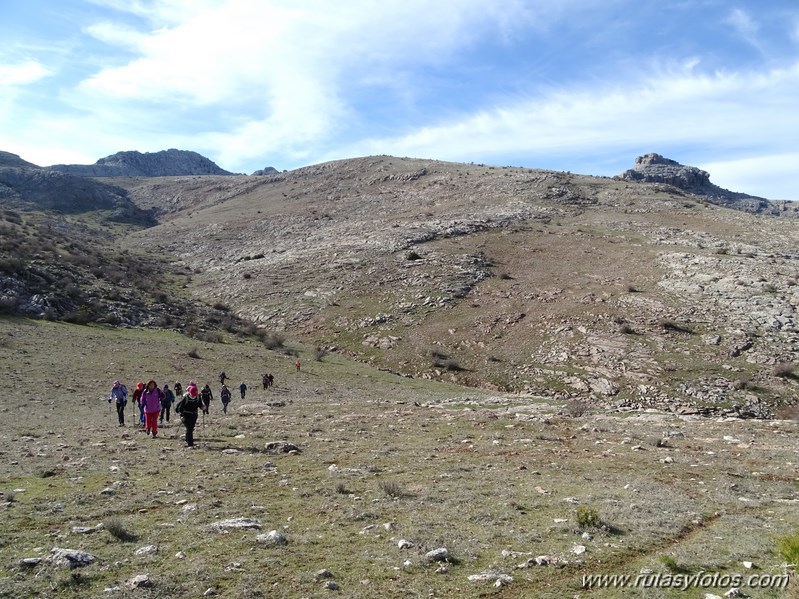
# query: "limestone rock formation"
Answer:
x=166 y=163
x=654 y=168
x=268 y=170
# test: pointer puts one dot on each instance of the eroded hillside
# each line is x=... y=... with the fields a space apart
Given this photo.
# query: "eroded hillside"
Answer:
x=599 y=290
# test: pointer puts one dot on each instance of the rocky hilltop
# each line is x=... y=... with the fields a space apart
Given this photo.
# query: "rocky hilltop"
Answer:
x=613 y=292
x=654 y=168
x=166 y=163
x=26 y=186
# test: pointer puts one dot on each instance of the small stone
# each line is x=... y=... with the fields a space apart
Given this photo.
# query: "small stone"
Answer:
x=273 y=537
x=438 y=555
x=209 y=593
x=138 y=581
x=403 y=544
x=323 y=574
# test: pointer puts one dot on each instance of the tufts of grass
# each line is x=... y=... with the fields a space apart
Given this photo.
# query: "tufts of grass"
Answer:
x=117 y=529
x=576 y=408
x=393 y=489
x=784 y=370
x=787 y=547
x=672 y=565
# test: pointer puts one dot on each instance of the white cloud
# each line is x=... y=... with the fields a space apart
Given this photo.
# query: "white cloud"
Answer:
x=766 y=176
x=22 y=73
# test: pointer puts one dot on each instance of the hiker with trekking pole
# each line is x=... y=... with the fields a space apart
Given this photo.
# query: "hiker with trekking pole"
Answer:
x=119 y=394
x=187 y=408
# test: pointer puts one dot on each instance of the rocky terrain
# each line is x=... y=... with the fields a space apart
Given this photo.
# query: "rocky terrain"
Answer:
x=615 y=292
x=511 y=383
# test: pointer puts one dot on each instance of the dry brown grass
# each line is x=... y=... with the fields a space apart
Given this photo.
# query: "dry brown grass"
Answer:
x=382 y=458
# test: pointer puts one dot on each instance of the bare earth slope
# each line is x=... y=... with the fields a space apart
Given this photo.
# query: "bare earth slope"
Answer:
x=615 y=293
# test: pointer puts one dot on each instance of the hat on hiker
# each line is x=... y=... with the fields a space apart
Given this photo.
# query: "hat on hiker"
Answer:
x=192 y=391
x=117 y=384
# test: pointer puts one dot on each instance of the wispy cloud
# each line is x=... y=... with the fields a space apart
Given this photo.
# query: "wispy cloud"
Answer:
x=745 y=27
x=566 y=84
x=22 y=73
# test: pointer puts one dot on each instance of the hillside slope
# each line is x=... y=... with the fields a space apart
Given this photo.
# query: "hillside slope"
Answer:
x=605 y=291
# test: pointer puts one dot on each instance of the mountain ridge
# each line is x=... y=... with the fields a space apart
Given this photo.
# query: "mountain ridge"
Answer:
x=620 y=293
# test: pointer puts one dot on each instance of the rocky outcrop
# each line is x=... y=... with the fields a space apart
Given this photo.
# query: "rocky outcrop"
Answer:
x=166 y=163
x=9 y=159
x=42 y=189
x=654 y=168
x=269 y=170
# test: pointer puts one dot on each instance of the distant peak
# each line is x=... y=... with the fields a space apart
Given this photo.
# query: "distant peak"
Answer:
x=654 y=168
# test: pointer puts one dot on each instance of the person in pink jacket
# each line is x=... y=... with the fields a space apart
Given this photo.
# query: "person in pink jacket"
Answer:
x=151 y=400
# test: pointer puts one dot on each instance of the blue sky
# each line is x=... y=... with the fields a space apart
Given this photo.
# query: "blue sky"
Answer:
x=578 y=85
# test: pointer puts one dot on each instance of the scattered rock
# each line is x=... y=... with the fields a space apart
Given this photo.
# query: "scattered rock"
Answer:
x=146 y=550
x=438 y=555
x=86 y=530
x=71 y=558
x=273 y=538
x=235 y=524
x=139 y=581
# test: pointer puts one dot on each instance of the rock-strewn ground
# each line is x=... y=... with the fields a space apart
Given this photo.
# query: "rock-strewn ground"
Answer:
x=619 y=293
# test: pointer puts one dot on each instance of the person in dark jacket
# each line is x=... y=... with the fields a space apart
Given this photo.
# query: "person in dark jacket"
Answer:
x=137 y=401
x=188 y=408
x=207 y=397
x=166 y=404
x=224 y=395
x=243 y=389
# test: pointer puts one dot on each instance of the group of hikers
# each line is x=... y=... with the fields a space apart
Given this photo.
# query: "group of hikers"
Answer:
x=154 y=403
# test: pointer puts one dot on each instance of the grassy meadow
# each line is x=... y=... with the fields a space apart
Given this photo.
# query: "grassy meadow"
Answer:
x=364 y=473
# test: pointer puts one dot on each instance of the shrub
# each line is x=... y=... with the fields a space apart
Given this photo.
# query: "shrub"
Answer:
x=784 y=370
x=319 y=353
x=393 y=489
x=452 y=365
x=669 y=325
x=194 y=353
x=273 y=340
x=118 y=531
x=413 y=256
x=588 y=517
x=627 y=329
x=576 y=408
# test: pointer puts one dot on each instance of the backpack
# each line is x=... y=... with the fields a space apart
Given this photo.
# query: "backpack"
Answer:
x=188 y=404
